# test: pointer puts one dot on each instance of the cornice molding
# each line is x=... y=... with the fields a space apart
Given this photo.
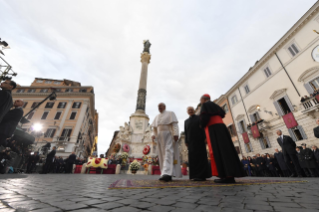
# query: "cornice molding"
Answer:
x=276 y=93
x=308 y=73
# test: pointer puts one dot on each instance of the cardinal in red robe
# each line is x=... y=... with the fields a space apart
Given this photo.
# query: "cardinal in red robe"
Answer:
x=225 y=162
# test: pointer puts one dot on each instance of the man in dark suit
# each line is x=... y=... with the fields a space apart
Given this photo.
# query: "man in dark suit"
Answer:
x=70 y=163
x=289 y=151
x=10 y=121
x=49 y=161
x=316 y=129
x=33 y=160
x=5 y=97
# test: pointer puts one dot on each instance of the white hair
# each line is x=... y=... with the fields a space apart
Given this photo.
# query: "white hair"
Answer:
x=190 y=107
x=279 y=131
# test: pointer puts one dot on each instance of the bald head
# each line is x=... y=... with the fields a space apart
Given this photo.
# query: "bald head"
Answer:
x=18 y=103
x=190 y=111
x=161 y=107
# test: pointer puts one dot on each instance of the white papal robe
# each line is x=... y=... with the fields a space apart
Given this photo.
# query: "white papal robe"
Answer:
x=165 y=127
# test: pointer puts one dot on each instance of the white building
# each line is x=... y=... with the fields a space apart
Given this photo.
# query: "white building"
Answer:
x=274 y=85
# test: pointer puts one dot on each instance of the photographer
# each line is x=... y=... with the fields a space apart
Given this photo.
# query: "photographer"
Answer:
x=33 y=160
x=10 y=121
x=4 y=156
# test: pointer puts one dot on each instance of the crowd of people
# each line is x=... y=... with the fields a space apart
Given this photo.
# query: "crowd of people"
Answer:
x=304 y=99
x=274 y=165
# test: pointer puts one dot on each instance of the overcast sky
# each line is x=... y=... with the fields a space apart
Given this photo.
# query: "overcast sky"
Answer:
x=197 y=47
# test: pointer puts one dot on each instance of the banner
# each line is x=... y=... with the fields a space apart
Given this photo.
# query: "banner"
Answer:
x=255 y=131
x=245 y=137
x=290 y=120
x=317 y=97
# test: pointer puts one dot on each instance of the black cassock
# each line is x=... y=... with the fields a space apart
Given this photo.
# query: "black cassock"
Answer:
x=224 y=158
x=197 y=155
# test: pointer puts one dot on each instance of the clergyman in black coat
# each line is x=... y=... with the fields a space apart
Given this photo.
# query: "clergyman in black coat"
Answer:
x=225 y=162
x=289 y=151
x=49 y=161
x=10 y=122
x=199 y=168
x=71 y=161
x=310 y=160
x=281 y=162
x=5 y=97
x=302 y=161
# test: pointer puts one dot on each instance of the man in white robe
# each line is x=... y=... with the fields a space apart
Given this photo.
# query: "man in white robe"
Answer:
x=165 y=132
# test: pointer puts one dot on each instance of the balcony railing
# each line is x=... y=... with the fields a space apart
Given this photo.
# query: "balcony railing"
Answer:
x=309 y=105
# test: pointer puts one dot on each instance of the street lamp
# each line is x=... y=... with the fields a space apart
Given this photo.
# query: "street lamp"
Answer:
x=36 y=128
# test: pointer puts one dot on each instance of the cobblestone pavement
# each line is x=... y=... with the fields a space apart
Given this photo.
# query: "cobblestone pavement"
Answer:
x=89 y=193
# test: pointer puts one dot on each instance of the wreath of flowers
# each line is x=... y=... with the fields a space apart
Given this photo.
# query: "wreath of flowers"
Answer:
x=135 y=165
x=146 y=149
x=126 y=148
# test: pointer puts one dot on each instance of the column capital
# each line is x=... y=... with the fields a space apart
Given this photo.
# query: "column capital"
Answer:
x=145 y=57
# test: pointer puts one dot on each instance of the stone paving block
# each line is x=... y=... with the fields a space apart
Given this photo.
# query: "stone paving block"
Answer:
x=79 y=199
x=185 y=205
x=285 y=204
x=310 y=205
x=90 y=210
x=232 y=205
x=111 y=199
x=235 y=210
x=48 y=210
x=142 y=205
x=258 y=207
x=159 y=208
x=182 y=210
x=164 y=202
x=72 y=206
x=187 y=200
x=206 y=202
x=125 y=209
x=108 y=205
x=208 y=208
x=284 y=209
x=93 y=202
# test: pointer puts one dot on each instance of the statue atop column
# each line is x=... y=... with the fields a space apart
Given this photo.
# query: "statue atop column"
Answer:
x=147 y=46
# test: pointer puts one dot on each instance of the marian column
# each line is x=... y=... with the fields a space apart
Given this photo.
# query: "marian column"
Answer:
x=139 y=120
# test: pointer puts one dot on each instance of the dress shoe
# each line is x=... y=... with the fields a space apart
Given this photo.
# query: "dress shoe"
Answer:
x=167 y=178
x=162 y=178
x=293 y=175
x=199 y=179
x=225 y=180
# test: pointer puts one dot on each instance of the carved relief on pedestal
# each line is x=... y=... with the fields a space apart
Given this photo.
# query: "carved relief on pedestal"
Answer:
x=125 y=132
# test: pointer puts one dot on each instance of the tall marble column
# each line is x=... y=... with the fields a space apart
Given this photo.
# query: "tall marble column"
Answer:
x=141 y=94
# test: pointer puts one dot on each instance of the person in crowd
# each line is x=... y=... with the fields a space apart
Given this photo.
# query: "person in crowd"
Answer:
x=246 y=165
x=71 y=161
x=310 y=160
x=225 y=163
x=289 y=151
x=195 y=141
x=316 y=129
x=302 y=161
x=33 y=160
x=252 y=166
x=282 y=164
x=256 y=165
x=49 y=161
x=5 y=100
x=261 y=165
x=316 y=152
x=270 y=163
x=10 y=121
x=165 y=130
x=4 y=157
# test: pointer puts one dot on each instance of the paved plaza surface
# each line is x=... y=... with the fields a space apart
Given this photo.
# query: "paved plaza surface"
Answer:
x=90 y=193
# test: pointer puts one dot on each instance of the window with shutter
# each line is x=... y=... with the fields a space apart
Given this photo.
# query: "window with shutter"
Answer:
x=250 y=147
x=61 y=104
x=34 y=104
x=49 y=105
x=292 y=134
x=309 y=88
x=289 y=103
x=293 y=49
x=267 y=72
x=76 y=105
x=30 y=115
x=302 y=132
x=25 y=104
x=73 y=115
x=44 y=115
x=262 y=144
x=57 y=115
x=246 y=148
x=50 y=133
x=278 y=109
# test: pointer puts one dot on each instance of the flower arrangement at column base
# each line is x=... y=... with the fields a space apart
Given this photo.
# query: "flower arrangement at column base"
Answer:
x=146 y=168
x=124 y=158
x=134 y=166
